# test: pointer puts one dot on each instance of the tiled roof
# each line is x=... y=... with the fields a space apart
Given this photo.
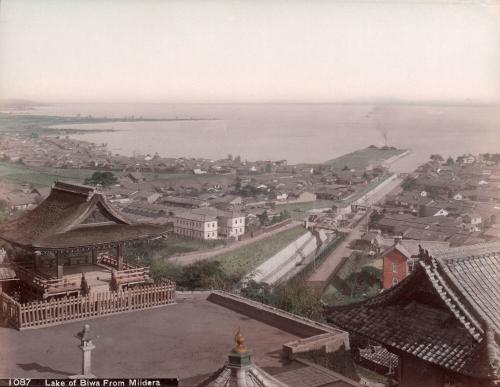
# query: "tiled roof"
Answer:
x=378 y=355
x=189 y=215
x=71 y=216
x=475 y=272
x=447 y=312
x=410 y=248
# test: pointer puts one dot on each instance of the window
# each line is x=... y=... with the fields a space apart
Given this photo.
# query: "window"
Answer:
x=394 y=281
x=394 y=267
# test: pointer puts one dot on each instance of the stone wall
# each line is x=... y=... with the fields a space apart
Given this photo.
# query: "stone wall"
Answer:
x=285 y=321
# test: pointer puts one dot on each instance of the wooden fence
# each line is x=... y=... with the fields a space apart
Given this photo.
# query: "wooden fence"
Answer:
x=59 y=311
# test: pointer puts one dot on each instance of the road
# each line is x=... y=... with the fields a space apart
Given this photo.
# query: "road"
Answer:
x=329 y=265
x=190 y=258
x=321 y=275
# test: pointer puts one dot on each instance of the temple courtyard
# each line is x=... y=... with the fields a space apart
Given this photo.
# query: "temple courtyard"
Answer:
x=189 y=340
x=181 y=340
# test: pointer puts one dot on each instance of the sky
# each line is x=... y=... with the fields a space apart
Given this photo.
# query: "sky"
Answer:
x=249 y=51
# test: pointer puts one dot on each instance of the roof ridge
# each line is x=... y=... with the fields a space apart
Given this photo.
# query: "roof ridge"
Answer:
x=432 y=271
x=78 y=189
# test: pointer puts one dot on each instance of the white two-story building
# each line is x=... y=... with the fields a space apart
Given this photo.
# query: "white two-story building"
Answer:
x=194 y=225
x=231 y=224
x=209 y=223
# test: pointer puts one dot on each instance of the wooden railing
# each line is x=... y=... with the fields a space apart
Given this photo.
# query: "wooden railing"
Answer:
x=130 y=274
x=70 y=283
x=46 y=285
x=138 y=274
x=47 y=313
x=109 y=261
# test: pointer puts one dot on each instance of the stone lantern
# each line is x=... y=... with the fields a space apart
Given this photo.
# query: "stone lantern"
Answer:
x=86 y=346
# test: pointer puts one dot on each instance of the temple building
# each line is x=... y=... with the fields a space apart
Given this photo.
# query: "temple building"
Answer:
x=443 y=320
x=75 y=232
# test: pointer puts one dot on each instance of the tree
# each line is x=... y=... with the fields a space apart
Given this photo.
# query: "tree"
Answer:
x=409 y=184
x=257 y=291
x=450 y=161
x=113 y=285
x=85 y=288
x=206 y=275
x=436 y=157
x=346 y=168
x=263 y=218
x=104 y=179
x=294 y=296
x=164 y=271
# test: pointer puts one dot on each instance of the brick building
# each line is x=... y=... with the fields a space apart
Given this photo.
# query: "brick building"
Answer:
x=401 y=259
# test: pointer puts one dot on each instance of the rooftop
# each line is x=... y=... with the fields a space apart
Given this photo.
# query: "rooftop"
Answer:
x=73 y=215
x=410 y=247
x=447 y=312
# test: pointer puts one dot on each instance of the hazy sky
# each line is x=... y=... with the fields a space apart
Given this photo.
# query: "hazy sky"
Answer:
x=249 y=51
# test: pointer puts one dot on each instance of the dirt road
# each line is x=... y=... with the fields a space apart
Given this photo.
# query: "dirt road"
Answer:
x=190 y=258
x=329 y=266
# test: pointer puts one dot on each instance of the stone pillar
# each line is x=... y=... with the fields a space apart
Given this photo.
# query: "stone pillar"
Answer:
x=119 y=256
x=86 y=358
x=60 y=271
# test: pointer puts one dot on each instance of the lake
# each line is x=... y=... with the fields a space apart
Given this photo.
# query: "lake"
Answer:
x=295 y=132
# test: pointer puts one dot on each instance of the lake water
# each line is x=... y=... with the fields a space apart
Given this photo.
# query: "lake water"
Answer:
x=296 y=132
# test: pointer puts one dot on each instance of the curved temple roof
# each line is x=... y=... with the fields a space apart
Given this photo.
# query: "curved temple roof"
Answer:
x=447 y=312
x=74 y=216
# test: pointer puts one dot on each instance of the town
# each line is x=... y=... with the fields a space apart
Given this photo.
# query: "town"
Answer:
x=250 y=193
x=308 y=238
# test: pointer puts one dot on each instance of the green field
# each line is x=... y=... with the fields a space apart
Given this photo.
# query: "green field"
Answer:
x=45 y=176
x=364 y=158
x=173 y=245
x=247 y=258
x=41 y=176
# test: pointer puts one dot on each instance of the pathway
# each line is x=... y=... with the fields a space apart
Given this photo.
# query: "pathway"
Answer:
x=190 y=258
x=331 y=263
x=323 y=272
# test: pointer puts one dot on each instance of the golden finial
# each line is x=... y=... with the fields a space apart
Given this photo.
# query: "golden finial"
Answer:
x=240 y=346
